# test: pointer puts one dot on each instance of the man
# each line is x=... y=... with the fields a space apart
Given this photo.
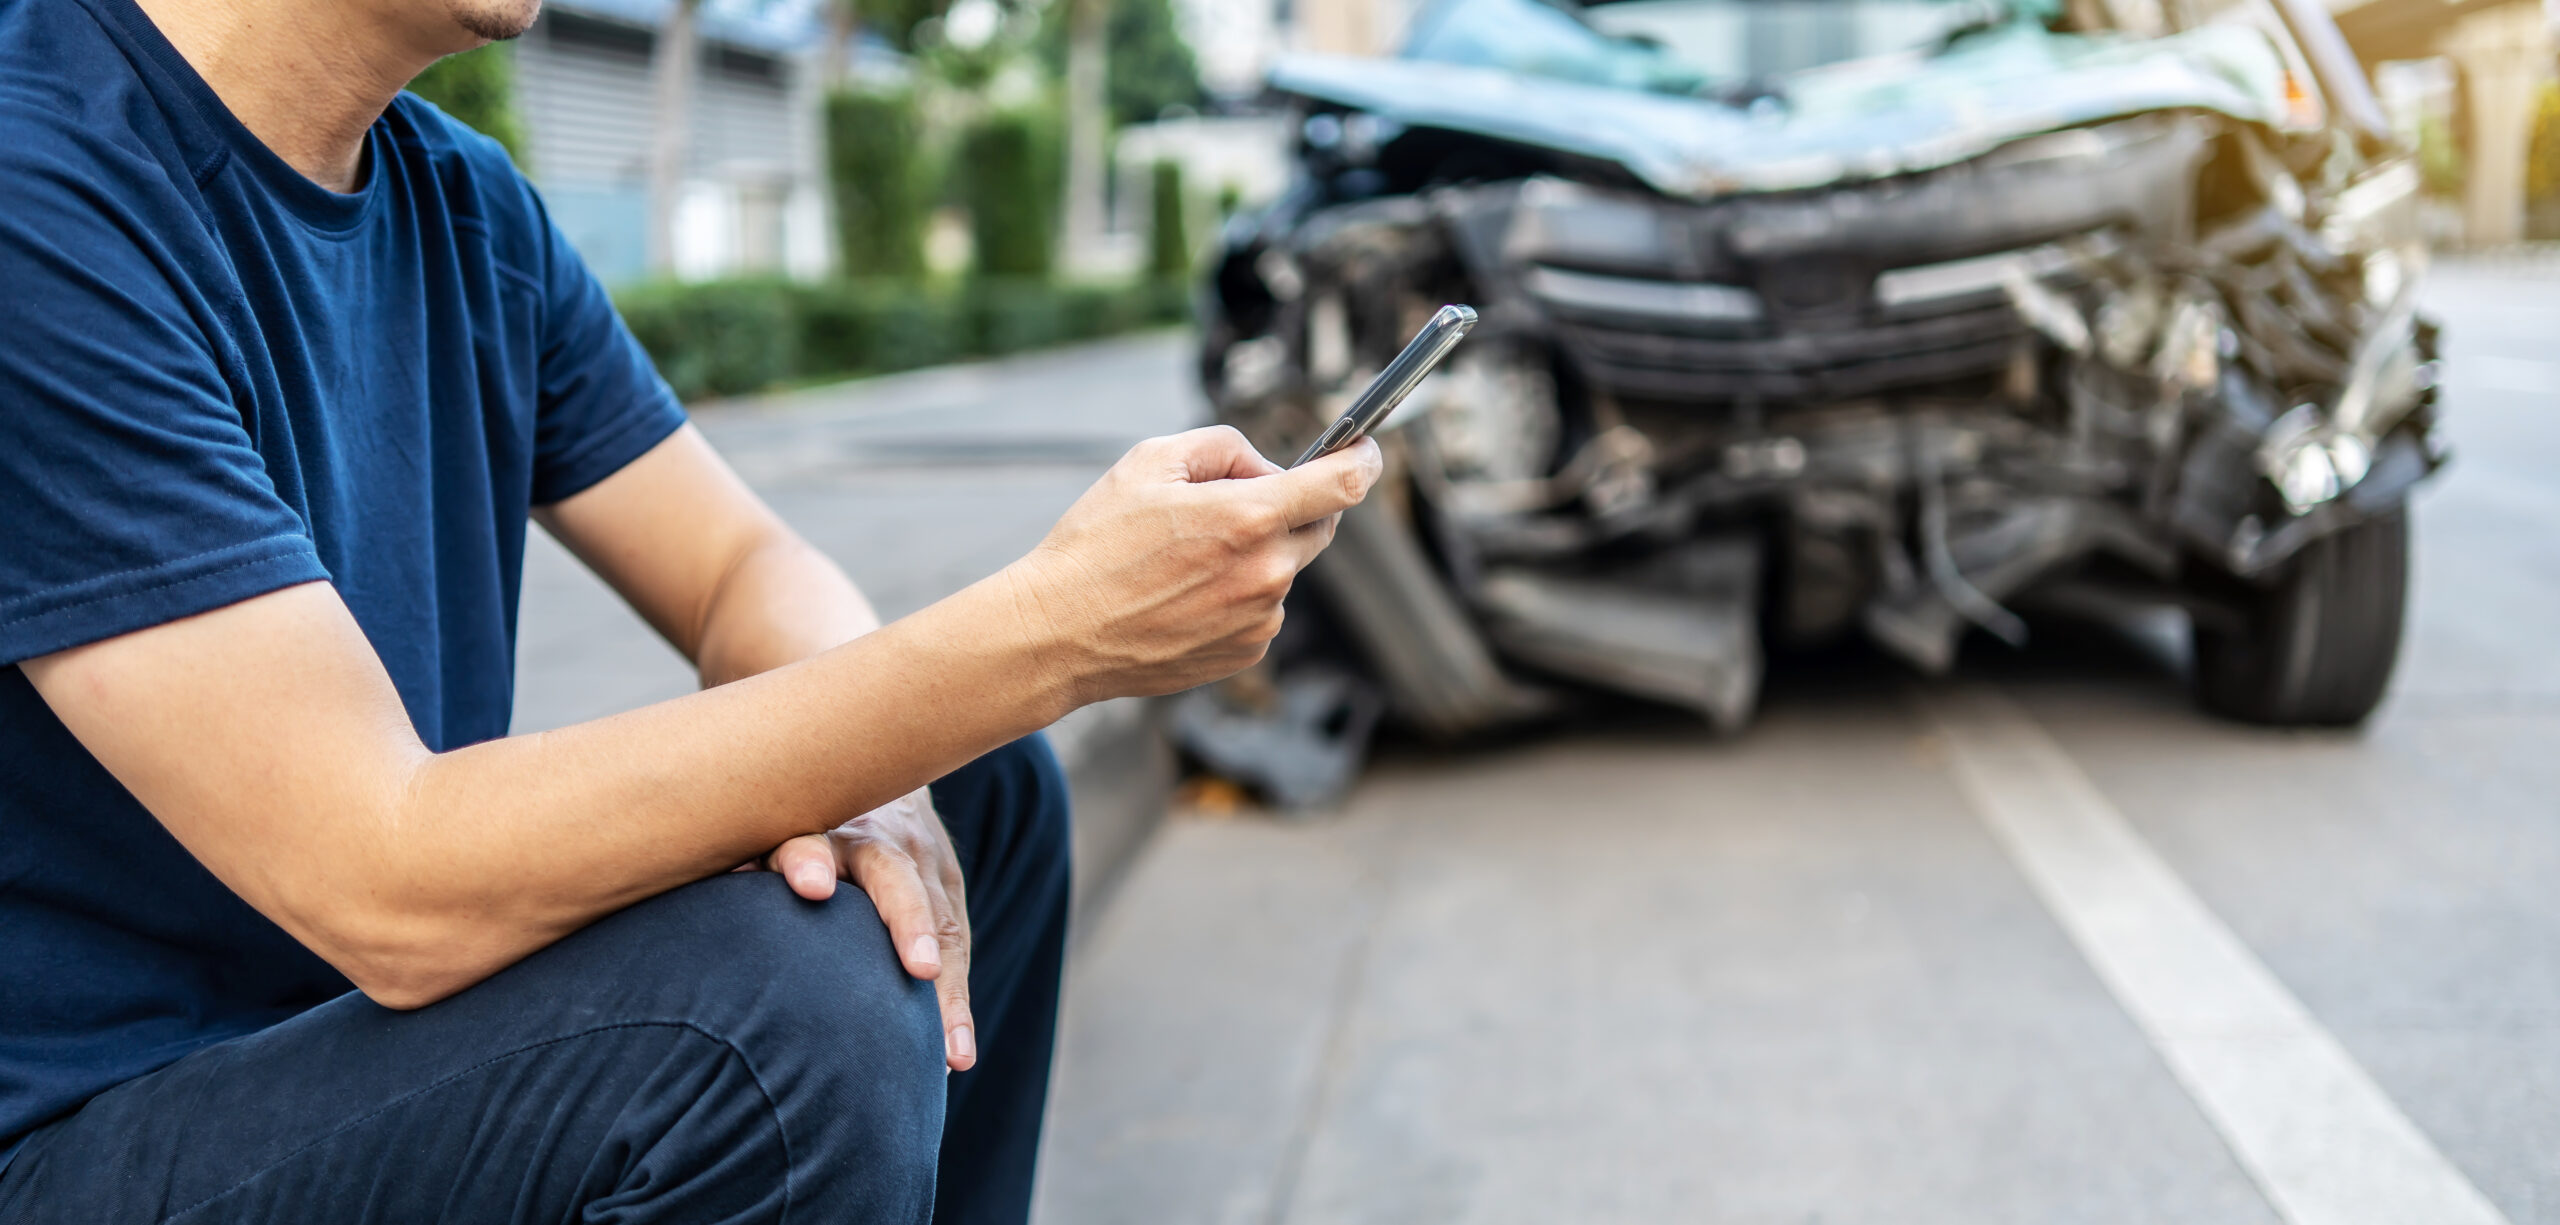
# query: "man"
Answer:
x=286 y=359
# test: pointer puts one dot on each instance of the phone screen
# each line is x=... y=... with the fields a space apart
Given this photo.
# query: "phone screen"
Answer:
x=1397 y=381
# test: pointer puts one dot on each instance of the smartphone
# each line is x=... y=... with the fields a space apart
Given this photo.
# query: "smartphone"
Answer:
x=1397 y=381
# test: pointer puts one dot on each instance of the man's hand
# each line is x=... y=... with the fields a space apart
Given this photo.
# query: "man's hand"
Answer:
x=1169 y=572
x=901 y=856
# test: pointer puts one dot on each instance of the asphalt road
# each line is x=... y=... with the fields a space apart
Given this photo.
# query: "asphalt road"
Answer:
x=2038 y=944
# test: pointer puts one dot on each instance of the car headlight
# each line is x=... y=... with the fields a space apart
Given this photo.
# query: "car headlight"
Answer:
x=1562 y=222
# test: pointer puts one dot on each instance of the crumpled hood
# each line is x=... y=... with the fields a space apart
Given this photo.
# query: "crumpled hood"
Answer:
x=1859 y=120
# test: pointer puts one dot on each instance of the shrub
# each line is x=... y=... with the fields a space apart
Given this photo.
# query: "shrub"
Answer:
x=1169 y=229
x=725 y=338
x=1152 y=68
x=1009 y=186
x=914 y=328
x=839 y=324
x=718 y=337
x=1149 y=70
x=1008 y=315
x=734 y=337
x=2439 y=158
x=2542 y=157
x=1162 y=302
x=1101 y=310
x=875 y=170
x=479 y=88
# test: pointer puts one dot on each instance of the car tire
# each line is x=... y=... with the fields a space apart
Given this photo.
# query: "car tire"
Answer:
x=2317 y=649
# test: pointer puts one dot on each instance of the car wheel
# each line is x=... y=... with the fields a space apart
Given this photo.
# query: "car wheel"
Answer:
x=2317 y=649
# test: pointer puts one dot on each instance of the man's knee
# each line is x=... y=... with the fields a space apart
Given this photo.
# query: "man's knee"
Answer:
x=811 y=998
x=762 y=963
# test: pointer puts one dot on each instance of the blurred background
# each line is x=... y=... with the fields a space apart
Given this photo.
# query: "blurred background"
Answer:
x=1956 y=948
x=815 y=139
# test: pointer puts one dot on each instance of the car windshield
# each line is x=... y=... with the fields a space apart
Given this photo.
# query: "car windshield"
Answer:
x=1687 y=46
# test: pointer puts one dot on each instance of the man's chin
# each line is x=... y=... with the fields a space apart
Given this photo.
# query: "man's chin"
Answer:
x=496 y=20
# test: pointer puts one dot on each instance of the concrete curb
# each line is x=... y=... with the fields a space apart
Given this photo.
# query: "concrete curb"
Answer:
x=1120 y=770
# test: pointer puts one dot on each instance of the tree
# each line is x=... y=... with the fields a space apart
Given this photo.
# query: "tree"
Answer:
x=1088 y=124
x=1152 y=68
x=896 y=20
x=844 y=24
x=478 y=88
x=2542 y=157
x=1149 y=66
x=679 y=53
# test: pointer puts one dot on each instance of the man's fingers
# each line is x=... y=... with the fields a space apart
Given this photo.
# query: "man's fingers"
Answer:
x=1326 y=486
x=1311 y=539
x=905 y=905
x=808 y=864
x=959 y=1029
x=1214 y=453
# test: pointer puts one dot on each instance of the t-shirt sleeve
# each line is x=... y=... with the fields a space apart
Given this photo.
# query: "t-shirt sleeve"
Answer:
x=130 y=492
x=602 y=403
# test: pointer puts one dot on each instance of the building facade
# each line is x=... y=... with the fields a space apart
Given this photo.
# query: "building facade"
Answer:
x=753 y=196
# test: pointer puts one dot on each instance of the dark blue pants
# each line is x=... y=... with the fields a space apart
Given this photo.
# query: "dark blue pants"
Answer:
x=722 y=1053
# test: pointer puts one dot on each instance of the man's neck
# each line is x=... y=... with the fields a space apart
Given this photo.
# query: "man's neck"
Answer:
x=306 y=77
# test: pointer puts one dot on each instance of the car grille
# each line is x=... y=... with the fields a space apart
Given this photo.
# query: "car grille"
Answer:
x=1797 y=366
x=1810 y=338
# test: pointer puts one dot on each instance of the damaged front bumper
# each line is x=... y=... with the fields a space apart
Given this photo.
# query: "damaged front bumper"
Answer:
x=1891 y=408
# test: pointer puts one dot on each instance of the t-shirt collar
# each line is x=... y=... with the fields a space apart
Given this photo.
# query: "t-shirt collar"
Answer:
x=213 y=135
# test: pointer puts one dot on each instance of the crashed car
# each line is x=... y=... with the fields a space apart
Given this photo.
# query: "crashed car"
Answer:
x=1805 y=319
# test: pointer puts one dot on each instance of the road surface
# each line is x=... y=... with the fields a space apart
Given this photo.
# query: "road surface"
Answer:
x=2040 y=944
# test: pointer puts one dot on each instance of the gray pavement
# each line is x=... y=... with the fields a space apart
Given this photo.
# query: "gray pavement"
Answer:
x=1623 y=972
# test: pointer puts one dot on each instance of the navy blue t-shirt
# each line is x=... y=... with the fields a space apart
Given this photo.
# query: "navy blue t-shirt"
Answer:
x=218 y=379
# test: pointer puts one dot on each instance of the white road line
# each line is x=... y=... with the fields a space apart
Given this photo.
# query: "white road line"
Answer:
x=2321 y=1139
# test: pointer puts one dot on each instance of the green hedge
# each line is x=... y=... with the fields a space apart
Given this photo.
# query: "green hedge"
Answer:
x=717 y=337
x=1008 y=178
x=2542 y=167
x=1168 y=228
x=723 y=338
x=875 y=155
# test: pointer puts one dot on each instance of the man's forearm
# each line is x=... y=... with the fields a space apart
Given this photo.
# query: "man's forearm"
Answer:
x=420 y=873
x=682 y=789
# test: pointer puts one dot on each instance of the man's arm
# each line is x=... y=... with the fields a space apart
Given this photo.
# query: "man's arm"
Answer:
x=269 y=740
x=708 y=564
x=730 y=585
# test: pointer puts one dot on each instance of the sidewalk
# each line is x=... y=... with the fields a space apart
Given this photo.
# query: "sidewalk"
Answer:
x=918 y=484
